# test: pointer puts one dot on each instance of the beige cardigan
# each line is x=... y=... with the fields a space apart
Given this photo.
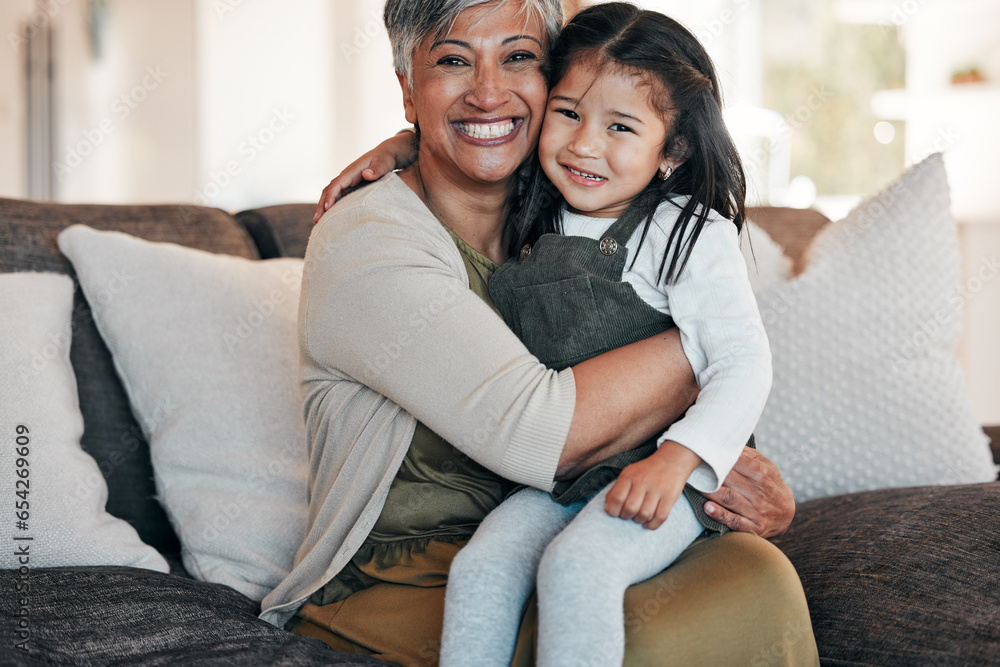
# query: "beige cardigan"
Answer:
x=389 y=332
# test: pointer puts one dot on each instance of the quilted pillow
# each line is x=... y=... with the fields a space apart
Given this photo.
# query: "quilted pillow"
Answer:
x=867 y=391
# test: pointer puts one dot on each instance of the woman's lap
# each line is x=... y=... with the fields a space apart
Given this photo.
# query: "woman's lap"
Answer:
x=729 y=600
x=733 y=599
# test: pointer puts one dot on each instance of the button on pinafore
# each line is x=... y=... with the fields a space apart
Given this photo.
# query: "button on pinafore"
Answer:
x=565 y=299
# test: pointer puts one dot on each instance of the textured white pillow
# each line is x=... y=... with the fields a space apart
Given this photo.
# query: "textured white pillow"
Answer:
x=767 y=264
x=207 y=350
x=53 y=492
x=867 y=391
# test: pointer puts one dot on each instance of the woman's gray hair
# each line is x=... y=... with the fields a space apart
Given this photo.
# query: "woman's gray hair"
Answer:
x=409 y=22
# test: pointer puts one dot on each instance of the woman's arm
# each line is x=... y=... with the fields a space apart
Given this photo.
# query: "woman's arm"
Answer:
x=394 y=153
x=624 y=397
x=386 y=304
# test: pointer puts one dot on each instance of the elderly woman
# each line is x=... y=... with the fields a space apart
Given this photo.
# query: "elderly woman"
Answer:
x=423 y=410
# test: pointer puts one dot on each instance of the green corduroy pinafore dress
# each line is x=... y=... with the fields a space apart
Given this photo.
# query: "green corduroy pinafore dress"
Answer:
x=565 y=299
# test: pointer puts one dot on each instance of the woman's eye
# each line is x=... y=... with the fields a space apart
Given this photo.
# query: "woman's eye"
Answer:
x=521 y=56
x=618 y=127
x=451 y=61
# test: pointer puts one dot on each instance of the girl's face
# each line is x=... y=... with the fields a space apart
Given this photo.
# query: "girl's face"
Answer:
x=602 y=140
x=479 y=93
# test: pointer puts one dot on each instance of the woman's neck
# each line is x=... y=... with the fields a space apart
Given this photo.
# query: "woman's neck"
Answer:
x=474 y=211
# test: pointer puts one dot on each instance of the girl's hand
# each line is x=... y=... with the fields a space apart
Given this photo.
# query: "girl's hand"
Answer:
x=753 y=498
x=396 y=152
x=646 y=491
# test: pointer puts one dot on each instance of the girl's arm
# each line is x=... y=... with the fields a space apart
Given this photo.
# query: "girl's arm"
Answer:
x=716 y=312
x=395 y=152
x=723 y=337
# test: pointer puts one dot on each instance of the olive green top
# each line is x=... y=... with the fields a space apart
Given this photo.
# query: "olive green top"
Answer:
x=438 y=493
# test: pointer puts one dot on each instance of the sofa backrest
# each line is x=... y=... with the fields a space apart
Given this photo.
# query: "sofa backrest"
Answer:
x=28 y=232
x=112 y=436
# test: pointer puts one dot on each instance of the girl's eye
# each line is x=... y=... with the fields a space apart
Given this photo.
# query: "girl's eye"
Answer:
x=569 y=113
x=618 y=127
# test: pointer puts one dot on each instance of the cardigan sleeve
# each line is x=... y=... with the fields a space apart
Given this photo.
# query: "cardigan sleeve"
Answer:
x=724 y=340
x=386 y=303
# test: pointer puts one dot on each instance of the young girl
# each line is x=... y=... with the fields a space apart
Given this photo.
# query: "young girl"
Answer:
x=648 y=208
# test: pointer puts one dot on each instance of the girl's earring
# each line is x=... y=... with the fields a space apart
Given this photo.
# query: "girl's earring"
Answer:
x=664 y=175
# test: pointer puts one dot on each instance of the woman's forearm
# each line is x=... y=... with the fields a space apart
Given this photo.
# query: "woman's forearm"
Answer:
x=624 y=397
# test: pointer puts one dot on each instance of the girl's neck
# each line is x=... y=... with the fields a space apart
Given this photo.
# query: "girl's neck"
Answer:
x=474 y=211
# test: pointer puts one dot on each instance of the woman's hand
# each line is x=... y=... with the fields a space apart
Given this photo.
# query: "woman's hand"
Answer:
x=753 y=498
x=396 y=152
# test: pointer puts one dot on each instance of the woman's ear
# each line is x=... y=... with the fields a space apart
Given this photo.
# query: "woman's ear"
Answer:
x=409 y=108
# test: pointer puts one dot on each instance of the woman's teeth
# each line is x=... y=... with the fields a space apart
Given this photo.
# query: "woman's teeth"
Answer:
x=487 y=131
x=589 y=177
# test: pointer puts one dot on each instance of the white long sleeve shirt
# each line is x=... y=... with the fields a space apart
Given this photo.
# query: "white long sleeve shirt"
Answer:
x=721 y=332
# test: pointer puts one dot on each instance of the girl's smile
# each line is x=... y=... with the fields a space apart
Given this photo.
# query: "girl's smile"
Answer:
x=602 y=140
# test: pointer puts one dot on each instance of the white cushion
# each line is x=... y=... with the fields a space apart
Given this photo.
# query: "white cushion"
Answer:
x=53 y=491
x=207 y=351
x=867 y=390
x=767 y=264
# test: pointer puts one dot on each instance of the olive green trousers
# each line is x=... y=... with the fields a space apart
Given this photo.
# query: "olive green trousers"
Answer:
x=729 y=600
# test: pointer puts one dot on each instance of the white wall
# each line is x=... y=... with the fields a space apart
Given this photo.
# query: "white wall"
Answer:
x=264 y=127
x=367 y=102
x=125 y=120
x=943 y=36
x=13 y=125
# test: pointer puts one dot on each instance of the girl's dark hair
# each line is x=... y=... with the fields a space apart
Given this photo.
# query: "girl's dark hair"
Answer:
x=657 y=48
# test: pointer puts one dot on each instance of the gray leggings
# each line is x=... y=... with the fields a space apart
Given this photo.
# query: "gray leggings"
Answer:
x=584 y=560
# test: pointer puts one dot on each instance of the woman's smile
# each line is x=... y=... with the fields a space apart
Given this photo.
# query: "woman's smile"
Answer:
x=489 y=132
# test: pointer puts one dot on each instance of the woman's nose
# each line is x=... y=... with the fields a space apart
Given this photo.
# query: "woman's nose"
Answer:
x=489 y=88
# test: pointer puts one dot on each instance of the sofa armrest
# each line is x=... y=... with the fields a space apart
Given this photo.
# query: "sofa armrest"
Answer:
x=994 y=434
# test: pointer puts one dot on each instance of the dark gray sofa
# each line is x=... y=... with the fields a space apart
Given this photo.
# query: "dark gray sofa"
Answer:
x=893 y=577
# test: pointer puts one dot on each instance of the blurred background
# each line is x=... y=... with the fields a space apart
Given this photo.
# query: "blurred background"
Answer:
x=244 y=103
